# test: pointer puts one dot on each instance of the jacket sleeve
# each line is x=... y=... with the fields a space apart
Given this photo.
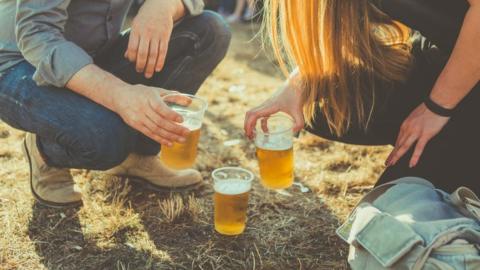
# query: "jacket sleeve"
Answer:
x=194 y=7
x=39 y=30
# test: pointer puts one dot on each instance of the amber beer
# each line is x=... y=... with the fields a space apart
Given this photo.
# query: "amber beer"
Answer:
x=182 y=155
x=276 y=167
x=192 y=109
x=232 y=187
x=275 y=152
x=231 y=203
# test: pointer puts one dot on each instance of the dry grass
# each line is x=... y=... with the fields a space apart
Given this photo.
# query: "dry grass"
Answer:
x=122 y=226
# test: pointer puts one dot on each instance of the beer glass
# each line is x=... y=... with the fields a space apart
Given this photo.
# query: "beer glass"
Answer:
x=232 y=186
x=274 y=144
x=192 y=109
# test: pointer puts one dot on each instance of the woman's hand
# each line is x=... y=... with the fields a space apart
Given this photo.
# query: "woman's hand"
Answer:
x=288 y=100
x=142 y=108
x=419 y=127
x=150 y=34
x=457 y=79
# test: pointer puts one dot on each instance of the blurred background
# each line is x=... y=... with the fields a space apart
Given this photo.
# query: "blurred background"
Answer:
x=232 y=10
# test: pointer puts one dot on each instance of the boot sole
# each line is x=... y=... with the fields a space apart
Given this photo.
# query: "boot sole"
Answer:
x=163 y=189
x=36 y=196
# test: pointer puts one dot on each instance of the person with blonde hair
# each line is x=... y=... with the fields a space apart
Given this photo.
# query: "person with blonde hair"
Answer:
x=374 y=72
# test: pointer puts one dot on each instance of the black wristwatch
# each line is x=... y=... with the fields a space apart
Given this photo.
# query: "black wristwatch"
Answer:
x=437 y=109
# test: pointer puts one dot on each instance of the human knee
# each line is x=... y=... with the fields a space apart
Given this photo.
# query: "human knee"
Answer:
x=107 y=145
x=214 y=31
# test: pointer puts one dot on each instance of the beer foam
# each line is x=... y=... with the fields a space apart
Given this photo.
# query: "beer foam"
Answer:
x=274 y=143
x=232 y=186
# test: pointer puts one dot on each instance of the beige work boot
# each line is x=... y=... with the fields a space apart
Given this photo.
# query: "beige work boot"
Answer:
x=151 y=171
x=50 y=186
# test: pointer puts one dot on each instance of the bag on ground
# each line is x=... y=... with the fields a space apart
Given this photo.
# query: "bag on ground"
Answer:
x=408 y=224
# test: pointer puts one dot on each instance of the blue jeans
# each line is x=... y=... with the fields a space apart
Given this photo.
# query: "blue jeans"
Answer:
x=75 y=132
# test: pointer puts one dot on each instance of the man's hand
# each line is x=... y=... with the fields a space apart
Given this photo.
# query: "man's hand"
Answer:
x=150 y=34
x=142 y=108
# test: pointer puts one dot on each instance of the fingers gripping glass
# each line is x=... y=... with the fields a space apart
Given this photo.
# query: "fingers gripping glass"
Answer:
x=274 y=143
x=192 y=109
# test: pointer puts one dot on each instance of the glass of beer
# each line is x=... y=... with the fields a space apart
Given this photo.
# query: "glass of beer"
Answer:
x=274 y=143
x=192 y=109
x=232 y=186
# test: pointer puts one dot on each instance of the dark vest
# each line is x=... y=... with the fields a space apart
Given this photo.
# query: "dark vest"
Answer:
x=438 y=20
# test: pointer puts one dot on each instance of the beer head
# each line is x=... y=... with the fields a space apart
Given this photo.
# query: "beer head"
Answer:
x=232 y=180
x=232 y=187
x=274 y=133
x=274 y=142
x=190 y=107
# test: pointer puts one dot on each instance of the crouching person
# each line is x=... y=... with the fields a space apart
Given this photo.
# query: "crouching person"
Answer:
x=90 y=97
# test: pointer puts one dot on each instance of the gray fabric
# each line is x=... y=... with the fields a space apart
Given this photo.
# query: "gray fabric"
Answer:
x=408 y=224
x=59 y=37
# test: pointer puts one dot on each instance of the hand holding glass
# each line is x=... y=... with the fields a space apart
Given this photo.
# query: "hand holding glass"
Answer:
x=274 y=143
x=192 y=109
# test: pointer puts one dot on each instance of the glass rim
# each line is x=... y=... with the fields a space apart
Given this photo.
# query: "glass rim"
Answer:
x=202 y=100
x=250 y=174
x=283 y=130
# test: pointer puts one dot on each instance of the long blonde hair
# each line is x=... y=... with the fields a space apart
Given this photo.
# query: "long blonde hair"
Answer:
x=340 y=48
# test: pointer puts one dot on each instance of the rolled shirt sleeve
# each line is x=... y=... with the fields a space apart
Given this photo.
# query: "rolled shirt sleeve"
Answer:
x=194 y=7
x=39 y=30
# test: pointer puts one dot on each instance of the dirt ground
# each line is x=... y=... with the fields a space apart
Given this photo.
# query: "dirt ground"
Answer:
x=122 y=226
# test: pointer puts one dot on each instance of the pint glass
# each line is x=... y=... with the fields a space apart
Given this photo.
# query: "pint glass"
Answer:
x=232 y=186
x=192 y=109
x=274 y=144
